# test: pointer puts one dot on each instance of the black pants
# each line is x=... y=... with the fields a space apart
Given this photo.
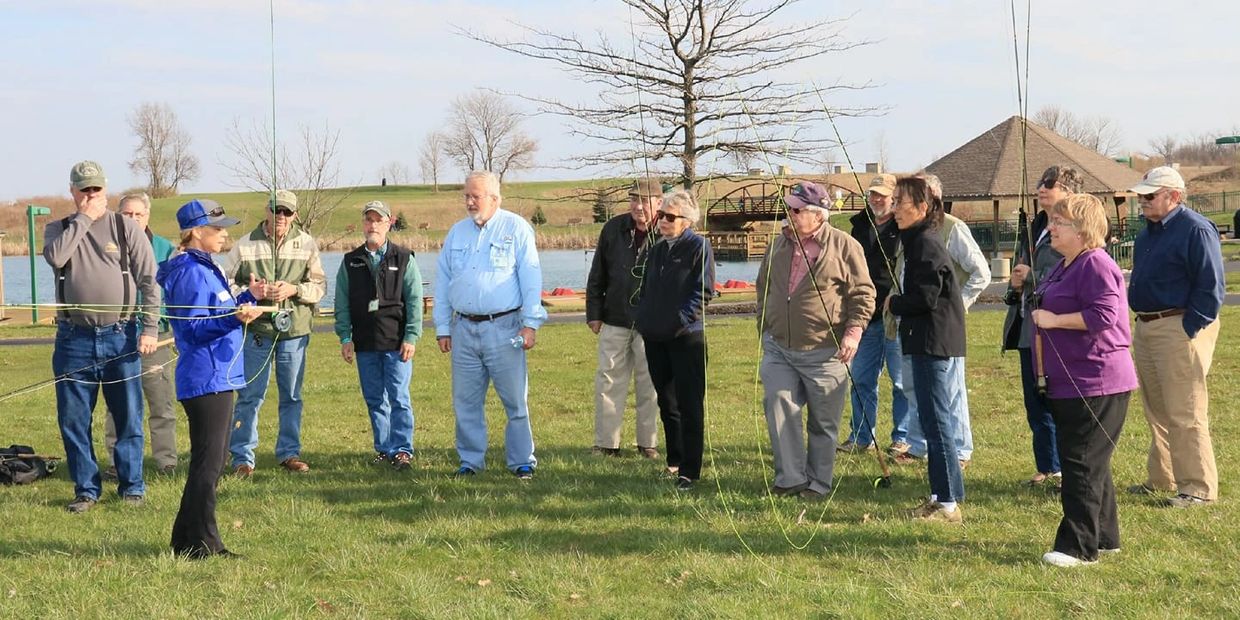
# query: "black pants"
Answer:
x=194 y=532
x=678 y=372
x=1090 y=521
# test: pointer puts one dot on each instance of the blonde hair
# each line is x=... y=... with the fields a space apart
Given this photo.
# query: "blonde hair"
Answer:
x=186 y=237
x=1088 y=217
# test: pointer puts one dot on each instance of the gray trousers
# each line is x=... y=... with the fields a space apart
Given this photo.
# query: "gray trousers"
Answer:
x=157 y=389
x=792 y=380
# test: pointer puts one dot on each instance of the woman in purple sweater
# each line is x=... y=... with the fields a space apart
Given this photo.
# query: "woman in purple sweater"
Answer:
x=1082 y=321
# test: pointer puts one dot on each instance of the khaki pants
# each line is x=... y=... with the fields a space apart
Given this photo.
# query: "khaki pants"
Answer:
x=157 y=389
x=1172 y=371
x=621 y=356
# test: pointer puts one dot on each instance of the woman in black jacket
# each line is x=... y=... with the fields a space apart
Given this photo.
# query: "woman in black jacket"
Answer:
x=679 y=280
x=931 y=318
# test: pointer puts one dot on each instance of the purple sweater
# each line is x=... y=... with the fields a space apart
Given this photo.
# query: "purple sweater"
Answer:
x=1094 y=362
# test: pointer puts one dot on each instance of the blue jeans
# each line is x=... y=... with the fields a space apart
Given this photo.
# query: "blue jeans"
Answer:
x=385 y=388
x=290 y=362
x=932 y=377
x=1038 y=411
x=482 y=353
x=93 y=359
x=875 y=350
x=958 y=396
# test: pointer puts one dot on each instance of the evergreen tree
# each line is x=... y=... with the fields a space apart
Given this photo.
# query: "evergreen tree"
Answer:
x=539 y=218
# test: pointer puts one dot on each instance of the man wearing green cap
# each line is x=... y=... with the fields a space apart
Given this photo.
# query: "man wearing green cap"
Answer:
x=105 y=270
x=284 y=260
x=379 y=319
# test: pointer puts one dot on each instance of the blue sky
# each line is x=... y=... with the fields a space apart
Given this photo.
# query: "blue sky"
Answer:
x=383 y=72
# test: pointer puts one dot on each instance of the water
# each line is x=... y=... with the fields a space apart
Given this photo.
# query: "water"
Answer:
x=561 y=268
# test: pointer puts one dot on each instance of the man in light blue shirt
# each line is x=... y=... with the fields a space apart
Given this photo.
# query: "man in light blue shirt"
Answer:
x=488 y=304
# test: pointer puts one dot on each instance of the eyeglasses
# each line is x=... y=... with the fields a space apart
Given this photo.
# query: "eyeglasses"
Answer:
x=216 y=212
x=91 y=190
x=670 y=217
x=1149 y=197
x=283 y=211
x=1059 y=222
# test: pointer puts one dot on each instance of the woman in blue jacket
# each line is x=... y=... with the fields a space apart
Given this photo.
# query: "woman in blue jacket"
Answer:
x=207 y=326
x=679 y=280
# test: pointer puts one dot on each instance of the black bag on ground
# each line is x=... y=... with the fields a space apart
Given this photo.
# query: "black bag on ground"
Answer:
x=18 y=469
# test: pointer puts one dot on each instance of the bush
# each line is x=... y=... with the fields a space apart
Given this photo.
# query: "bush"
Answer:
x=539 y=218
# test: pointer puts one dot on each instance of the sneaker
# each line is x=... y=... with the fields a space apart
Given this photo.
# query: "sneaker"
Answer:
x=1142 y=489
x=811 y=495
x=601 y=451
x=935 y=512
x=1108 y=551
x=295 y=465
x=785 y=491
x=110 y=474
x=464 y=472
x=684 y=484
x=1063 y=560
x=524 y=472
x=922 y=509
x=852 y=447
x=964 y=464
x=380 y=459
x=905 y=458
x=243 y=471
x=1044 y=479
x=647 y=453
x=1184 y=500
x=80 y=504
x=897 y=448
x=400 y=462
x=133 y=500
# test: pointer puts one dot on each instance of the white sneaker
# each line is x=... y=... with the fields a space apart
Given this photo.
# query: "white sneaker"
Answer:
x=1063 y=560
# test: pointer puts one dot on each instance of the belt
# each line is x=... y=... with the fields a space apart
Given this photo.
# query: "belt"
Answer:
x=478 y=318
x=1146 y=317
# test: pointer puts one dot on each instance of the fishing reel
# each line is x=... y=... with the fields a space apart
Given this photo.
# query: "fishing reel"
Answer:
x=282 y=320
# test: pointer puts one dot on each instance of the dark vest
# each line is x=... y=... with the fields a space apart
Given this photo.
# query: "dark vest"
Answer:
x=384 y=329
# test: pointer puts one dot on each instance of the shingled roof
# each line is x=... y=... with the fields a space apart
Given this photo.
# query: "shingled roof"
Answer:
x=989 y=166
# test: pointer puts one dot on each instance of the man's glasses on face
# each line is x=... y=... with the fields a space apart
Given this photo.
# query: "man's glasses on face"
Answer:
x=1148 y=197
x=670 y=217
x=281 y=211
x=91 y=190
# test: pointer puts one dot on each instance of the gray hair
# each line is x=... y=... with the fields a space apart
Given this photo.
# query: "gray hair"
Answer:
x=491 y=179
x=685 y=202
x=933 y=184
x=140 y=196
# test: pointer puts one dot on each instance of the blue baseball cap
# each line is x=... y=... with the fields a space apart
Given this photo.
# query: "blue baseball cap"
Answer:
x=197 y=213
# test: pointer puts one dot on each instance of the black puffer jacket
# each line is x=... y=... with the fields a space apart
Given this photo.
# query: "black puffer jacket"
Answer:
x=612 y=283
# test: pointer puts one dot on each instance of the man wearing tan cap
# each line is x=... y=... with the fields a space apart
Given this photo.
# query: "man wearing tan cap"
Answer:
x=284 y=260
x=1176 y=291
x=610 y=296
x=876 y=230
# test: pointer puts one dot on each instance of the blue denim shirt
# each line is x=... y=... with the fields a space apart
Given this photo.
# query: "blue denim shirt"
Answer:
x=1178 y=263
x=489 y=269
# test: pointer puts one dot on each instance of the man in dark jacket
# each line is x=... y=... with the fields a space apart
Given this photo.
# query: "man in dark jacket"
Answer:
x=378 y=320
x=610 y=301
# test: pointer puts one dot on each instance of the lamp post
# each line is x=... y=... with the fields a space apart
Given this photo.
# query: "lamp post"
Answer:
x=31 y=212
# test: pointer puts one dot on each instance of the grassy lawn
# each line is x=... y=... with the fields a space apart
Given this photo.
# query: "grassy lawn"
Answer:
x=602 y=537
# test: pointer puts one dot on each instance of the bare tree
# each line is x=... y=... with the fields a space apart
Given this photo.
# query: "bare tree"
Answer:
x=1165 y=147
x=431 y=158
x=485 y=134
x=395 y=173
x=311 y=167
x=162 y=154
x=699 y=79
x=1097 y=133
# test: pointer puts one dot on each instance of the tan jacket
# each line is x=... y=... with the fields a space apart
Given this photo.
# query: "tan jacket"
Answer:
x=799 y=319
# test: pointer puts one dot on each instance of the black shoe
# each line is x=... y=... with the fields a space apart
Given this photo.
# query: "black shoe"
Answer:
x=605 y=451
x=1142 y=489
x=464 y=472
x=80 y=504
x=684 y=484
x=1186 y=501
x=524 y=472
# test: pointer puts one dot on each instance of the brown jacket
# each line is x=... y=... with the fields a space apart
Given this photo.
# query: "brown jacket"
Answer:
x=799 y=319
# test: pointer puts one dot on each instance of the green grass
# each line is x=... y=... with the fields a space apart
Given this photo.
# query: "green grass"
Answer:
x=594 y=537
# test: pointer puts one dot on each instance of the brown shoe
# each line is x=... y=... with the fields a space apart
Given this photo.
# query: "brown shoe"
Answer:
x=647 y=453
x=243 y=471
x=400 y=462
x=295 y=465
x=600 y=450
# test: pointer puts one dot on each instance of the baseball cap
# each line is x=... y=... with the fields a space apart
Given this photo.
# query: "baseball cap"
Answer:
x=884 y=184
x=1158 y=178
x=87 y=174
x=646 y=187
x=377 y=207
x=284 y=198
x=806 y=195
x=204 y=212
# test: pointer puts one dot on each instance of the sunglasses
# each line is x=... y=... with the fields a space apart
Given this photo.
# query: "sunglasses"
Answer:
x=91 y=190
x=1148 y=197
x=670 y=217
x=216 y=212
x=798 y=210
x=283 y=211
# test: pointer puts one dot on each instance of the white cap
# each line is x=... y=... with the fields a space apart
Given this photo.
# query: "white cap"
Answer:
x=1158 y=178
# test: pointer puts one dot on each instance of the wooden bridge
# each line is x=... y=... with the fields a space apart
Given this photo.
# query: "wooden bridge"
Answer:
x=741 y=223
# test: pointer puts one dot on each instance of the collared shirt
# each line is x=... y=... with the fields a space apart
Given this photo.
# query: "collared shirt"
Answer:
x=489 y=269
x=411 y=287
x=1178 y=263
x=802 y=262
